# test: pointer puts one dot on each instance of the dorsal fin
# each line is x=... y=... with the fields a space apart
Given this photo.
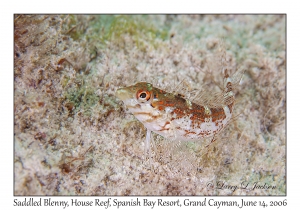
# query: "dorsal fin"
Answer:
x=223 y=98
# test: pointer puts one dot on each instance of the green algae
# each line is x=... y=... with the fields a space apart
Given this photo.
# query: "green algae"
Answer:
x=82 y=98
x=112 y=28
x=76 y=32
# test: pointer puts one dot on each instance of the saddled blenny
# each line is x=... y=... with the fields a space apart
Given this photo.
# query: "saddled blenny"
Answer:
x=176 y=118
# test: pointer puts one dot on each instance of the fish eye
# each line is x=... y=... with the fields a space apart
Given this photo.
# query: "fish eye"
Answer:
x=143 y=95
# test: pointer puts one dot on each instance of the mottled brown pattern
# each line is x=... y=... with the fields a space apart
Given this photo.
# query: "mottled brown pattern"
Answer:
x=217 y=114
x=161 y=99
x=198 y=113
x=187 y=132
x=230 y=106
x=229 y=87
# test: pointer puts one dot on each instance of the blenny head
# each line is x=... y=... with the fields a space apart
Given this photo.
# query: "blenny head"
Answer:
x=141 y=100
x=137 y=98
x=141 y=92
x=144 y=101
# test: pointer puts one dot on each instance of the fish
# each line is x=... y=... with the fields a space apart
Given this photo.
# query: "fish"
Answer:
x=177 y=118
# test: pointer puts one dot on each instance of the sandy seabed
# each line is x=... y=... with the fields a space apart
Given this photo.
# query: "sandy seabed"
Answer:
x=72 y=136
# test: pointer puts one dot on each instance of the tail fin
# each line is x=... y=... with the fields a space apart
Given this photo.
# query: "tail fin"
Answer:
x=230 y=83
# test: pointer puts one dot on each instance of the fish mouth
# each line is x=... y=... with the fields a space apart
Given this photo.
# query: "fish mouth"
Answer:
x=123 y=94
